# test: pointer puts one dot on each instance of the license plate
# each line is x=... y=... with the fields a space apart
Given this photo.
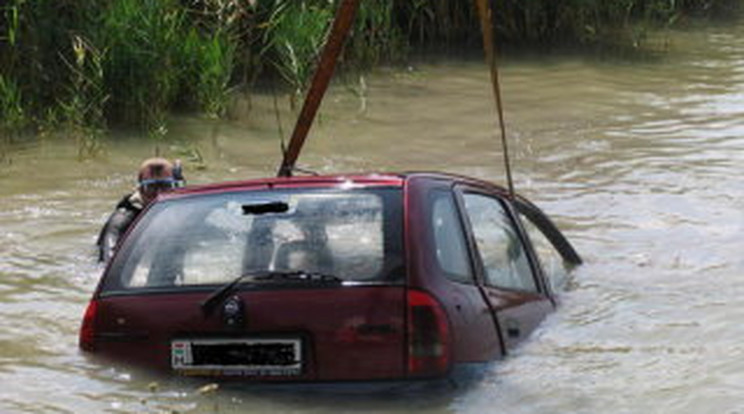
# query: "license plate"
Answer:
x=237 y=356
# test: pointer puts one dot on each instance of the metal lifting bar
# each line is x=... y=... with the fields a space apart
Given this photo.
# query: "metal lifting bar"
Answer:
x=486 y=14
x=342 y=22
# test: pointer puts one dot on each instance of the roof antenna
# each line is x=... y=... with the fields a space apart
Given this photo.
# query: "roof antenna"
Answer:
x=487 y=17
x=341 y=25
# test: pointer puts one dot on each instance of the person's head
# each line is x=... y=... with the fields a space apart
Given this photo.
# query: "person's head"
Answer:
x=155 y=175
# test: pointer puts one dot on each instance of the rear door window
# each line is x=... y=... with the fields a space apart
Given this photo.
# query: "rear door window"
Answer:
x=502 y=254
x=449 y=239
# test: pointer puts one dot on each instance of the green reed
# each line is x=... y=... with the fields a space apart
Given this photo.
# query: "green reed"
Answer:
x=294 y=34
x=376 y=36
x=211 y=70
x=139 y=61
x=162 y=55
x=12 y=117
x=12 y=114
x=553 y=23
x=81 y=111
x=88 y=64
x=141 y=39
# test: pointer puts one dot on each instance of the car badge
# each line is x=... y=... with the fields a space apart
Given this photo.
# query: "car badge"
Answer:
x=233 y=312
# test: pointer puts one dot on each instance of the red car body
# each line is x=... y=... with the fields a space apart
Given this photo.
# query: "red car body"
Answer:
x=431 y=293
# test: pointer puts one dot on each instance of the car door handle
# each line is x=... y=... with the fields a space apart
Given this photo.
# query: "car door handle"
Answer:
x=512 y=329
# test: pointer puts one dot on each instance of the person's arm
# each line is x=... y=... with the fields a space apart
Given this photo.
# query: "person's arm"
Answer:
x=115 y=227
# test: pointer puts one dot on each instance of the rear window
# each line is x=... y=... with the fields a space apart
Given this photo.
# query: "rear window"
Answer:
x=354 y=235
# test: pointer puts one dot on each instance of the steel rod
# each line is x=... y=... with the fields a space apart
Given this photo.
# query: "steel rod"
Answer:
x=342 y=23
x=486 y=14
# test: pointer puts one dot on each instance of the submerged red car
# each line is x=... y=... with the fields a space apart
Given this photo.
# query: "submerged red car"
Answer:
x=327 y=278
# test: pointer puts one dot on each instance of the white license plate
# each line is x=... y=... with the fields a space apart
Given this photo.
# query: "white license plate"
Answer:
x=237 y=356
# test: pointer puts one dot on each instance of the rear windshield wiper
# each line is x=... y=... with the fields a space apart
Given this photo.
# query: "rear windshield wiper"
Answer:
x=221 y=293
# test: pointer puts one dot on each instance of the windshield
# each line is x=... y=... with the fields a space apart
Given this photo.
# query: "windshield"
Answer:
x=354 y=235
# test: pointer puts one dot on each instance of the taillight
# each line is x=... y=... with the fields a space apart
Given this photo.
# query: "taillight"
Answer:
x=428 y=336
x=87 y=330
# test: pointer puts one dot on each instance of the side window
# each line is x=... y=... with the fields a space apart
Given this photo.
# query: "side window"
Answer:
x=550 y=259
x=449 y=240
x=504 y=259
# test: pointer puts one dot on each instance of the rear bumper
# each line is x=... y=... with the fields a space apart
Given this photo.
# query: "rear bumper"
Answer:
x=460 y=377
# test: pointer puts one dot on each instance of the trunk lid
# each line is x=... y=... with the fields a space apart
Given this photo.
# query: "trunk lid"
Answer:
x=343 y=332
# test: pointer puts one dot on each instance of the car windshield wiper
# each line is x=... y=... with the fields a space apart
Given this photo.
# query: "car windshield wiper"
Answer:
x=219 y=295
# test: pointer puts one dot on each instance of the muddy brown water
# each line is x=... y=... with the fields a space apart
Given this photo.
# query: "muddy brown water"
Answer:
x=639 y=162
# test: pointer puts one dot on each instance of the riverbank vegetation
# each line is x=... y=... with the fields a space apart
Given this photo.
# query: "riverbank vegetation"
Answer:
x=84 y=66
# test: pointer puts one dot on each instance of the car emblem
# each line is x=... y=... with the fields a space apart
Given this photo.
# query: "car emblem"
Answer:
x=233 y=315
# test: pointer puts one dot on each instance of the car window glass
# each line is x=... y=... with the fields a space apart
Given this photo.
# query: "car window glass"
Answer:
x=141 y=270
x=148 y=253
x=502 y=254
x=354 y=235
x=449 y=241
x=212 y=261
x=550 y=259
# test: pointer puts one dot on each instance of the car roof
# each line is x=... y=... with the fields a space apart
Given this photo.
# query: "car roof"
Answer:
x=355 y=180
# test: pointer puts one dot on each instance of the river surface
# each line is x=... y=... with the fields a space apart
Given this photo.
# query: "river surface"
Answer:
x=640 y=163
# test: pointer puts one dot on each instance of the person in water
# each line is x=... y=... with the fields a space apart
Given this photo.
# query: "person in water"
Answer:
x=155 y=176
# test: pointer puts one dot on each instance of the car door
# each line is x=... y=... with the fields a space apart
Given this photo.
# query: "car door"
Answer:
x=509 y=275
x=439 y=261
x=476 y=338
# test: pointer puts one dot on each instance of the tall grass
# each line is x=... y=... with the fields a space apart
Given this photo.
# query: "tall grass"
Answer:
x=88 y=64
x=142 y=43
x=294 y=32
x=553 y=23
x=294 y=35
x=81 y=110
x=213 y=72
x=437 y=21
x=12 y=117
x=376 y=36
x=12 y=114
